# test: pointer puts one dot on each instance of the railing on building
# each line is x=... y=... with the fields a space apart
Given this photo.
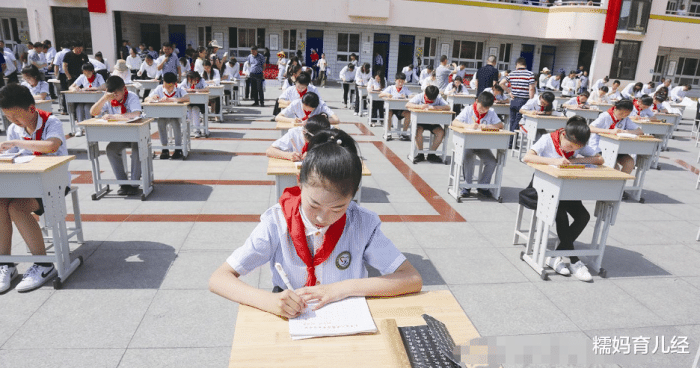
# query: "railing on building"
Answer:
x=683 y=8
x=634 y=16
x=550 y=3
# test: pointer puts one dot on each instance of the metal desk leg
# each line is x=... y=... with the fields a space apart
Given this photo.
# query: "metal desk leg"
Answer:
x=146 y=167
x=388 y=121
x=93 y=155
x=500 y=163
x=185 y=127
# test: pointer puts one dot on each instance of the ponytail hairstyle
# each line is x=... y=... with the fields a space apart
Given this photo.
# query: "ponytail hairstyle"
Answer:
x=314 y=125
x=205 y=75
x=183 y=61
x=382 y=80
x=333 y=162
x=549 y=97
x=200 y=50
x=461 y=85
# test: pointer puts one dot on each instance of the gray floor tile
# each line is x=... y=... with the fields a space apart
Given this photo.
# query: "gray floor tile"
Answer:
x=186 y=319
x=448 y=235
x=14 y=318
x=171 y=234
x=85 y=319
x=218 y=235
x=176 y=357
x=192 y=269
x=399 y=234
x=61 y=358
x=676 y=259
x=474 y=266
x=671 y=298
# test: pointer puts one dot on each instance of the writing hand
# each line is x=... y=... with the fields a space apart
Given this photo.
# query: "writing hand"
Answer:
x=325 y=294
x=288 y=304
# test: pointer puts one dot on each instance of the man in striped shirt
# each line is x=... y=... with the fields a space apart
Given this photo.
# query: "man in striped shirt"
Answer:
x=522 y=83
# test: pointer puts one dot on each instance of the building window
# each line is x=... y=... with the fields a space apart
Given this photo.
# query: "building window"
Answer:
x=658 y=68
x=204 y=36
x=468 y=52
x=634 y=16
x=504 y=56
x=289 y=41
x=624 y=62
x=246 y=40
x=687 y=71
x=348 y=43
x=429 y=51
x=72 y=24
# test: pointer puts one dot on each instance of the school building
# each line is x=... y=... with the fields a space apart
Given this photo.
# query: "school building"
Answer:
x=630 y=40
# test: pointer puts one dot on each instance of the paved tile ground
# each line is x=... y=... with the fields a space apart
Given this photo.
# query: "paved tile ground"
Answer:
x=141 y=298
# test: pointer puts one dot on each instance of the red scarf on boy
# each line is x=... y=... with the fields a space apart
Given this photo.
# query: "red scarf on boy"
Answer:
x=306 y=114
x=477 y=115
x=121 y=103
x=425 y=99
x=91 y=79
x=636 y=106
x=611 y=111
x=557 y=143
x=39 y=133
x=291 y=207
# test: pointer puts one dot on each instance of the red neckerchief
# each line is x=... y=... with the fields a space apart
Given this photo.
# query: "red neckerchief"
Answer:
x=557 y=144
x=91 y=79
x=39 y=133
x=478 y=116
x=121 y=103
x=654 y=107
x=636 y=106
x=578 y=100
x=305 y=148
x=301 y=94
x=425 y=99
x=398 y=90
x=306 y=114
x=611 y=111
x=192 y=86
x=541 y=107
x=291 y=203
x=170 y=96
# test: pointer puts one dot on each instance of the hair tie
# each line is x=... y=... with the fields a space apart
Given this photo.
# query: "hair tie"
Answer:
x=339 y=141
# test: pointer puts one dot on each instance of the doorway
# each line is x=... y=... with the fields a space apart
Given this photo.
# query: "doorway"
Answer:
x=314 y=40
x=528 y=52
x=585 y=54
x=406 y=47
x=150 y=35
x=177 y=36
x=547 y=58
x=381 y=49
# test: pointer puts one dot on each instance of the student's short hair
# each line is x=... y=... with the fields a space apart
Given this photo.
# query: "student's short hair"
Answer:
x=572 y=72
x=98 y=54
x=431 y=92
x=646 y=100
x=311 y=100
x=47 y=42
x=497 y=87
x=193 y=75
x=332 y=161
x=464 y=64
x=585 y=94
x=167 y=44
x=443 y=58
x=32 y=71
x=77 y=44
x=638 y=86
x=521 y=61
x=689 y=86
x=663 y=79
x=604 y=89
x=89 y=67
x=351 y=66
x=548 y=96
x=169 y=77
x=410 y=66
x=616 y=81
x=508 y=71
x=38 y=44
x=652 y=84
x=400 y=75
x=15 y=95
x=148 y=56
x=606 y=78
x=254 y=47
x=624 y=104
x=304 y=79
x=316 y=124
x=577 y=130
x=486 y=99
x=660 y=97
x=430 y=66
x=114 y=83
x=366 y=67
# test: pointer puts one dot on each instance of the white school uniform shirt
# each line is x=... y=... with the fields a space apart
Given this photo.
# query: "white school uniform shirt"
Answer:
x=36 y=57
x=451 y=88
x=429 y=82
x=411 y=76
x=533 y=104
x=346 y=74
x=151 y=70
x=58 y=59
x=543 y=80
x=292 y=141
x=666 y=106
x=472 y=83
x=199 y=66
x=362 y=242
x=405 y=92
x=291 y=93
x=595 y=97
x=200 y=85
x=125 y=75
x=544 y=147
x=646 y=113
x=573 y=101
x=423 y=75
x=596 y=86
x=419 y=99
x=467 y=116
x=53 y=128
x=462 y=73
x=282 y=66
x=627 y=92
x=501 y=97
x=134 y=63
x=361 y=78
x=41 y=87
x=661 y=85
x=50 y=54
x=648 y=90
x=604 y=121
x=132 y=104
x=614 y=96
x=677 y=94
x=232 y=71
x=553 y=83
x=160 y=92
x=97 y=64
x=246 y=69
x=296 y=110
x=83 y=82
x=215 y=78
x=10 y=61
x=322 y=63
x=568 y=87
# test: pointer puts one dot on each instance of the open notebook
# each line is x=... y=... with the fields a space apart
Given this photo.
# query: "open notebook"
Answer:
x=346 y=317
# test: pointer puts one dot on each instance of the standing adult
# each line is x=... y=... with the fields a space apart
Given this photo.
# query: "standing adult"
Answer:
x=124 y=50
x=168 y=62
x=443 y=71
x=486 y=75
x=3 y=68
x=257 y=64
x=322 y=65
x=378 y=61
x=314 y=61
x=73 y=63
x=522 y=88
x=11 y=65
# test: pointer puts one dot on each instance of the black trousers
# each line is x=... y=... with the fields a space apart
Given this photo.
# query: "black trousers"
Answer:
x=247 y=88
x=515 y=105
x=568 y=233
x=346 y=90
x=357 y=99
x=378 y=109
x=64 y=86
x=256 y=88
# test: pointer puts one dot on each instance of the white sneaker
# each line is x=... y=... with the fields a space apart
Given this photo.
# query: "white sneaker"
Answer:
x=580 y=271
x=7 y=274
x=79 y=133
x=354 y=113
x=198 y=134
x=35 y=277
x=558 y=265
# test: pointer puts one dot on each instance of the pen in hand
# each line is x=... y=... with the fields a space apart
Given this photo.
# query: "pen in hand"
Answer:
x=283 y=275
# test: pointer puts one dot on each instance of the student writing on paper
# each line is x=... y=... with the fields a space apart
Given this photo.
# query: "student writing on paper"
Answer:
x=193 y=84
x=88 y=81
x=32 y=80
x=643 y=107
x=301 y=110
x=562 y=147
x=35 y=132
x=377 y=84
x=616 y=120
x=321 y=238
x=429 y=100
x=169 y=91
x=399 y=91
x=579 y=102
x=295 y=143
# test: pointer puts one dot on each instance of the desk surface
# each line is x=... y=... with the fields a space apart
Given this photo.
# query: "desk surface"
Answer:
x=638 y=138
x=278 y=166
x=262 y=339
x=94 y=122
x=553 y=117
x=592 y=108
x=282 y=125
x=395 y=99
x=647 y=121
x=39 y=164
x=83 y=92
x=446 y=112
x=480 y=132
x=164 y=103
x=599 y=173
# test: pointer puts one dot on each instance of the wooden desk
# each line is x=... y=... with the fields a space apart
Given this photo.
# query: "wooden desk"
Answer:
x=477 y=139
x=44 y=177
x=392 y=104
x=603 y=185
x=148 y=84
x=659 y=129
x=559 y=101
x=602 y=106
x=588 y=114
x=679 y=107
x=440 y=117
x=284 y=127
x=460 y=99
x=98 y=130
x=612 y=145
x=286 y=173
x=157 y=110
x=674 y=119
x=262 y=339
x=533 y=122
x=73 y=97
x=201 y=98
x=214 y=93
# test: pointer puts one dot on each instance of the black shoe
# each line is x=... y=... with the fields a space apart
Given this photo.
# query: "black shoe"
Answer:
x=405 y=137
x=164 y=154
x=255 y=104
x=177 y=155
x=262 y=105
x=434 y=158
x=465 y=193
x=124 y=190
x=625 y=196
x=485 y=192
x=419 y=158
x=131 y=190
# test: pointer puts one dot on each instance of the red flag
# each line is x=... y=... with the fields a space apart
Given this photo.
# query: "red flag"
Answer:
x=611 y=19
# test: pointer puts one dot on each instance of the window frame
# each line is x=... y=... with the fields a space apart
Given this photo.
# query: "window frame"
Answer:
x=630 y=59
x=344 y=56
x=473 y=63
x=65 y=26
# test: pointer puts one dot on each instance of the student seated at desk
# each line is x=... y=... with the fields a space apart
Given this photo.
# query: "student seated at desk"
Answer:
x=301 y=110
x=399 y=91
x=632 y=91
x=615 y=93
x=541 y=105
x=321 y=238
x=475 y=117
x=32 y=80
x=212 y=77
x=498 y=94
x=600 y=83
x=580 y=101
x=194 y=83
x=562 y=147
x=661 y=105
x=377 y=84
x=554 y=82
x=293 y=145
x=426 y=73
x=33 y=132
x=678 y=93
x=643 y=107
x=410 y=73
x=88 y=81
x=456 y=88
x=568 y=85
x=301 y=85
x=428 y=100
x=665 y=83
x=169 y=91
x=600 y=96
x=119 y=104
x=649 y=88
x=614 y=121
x=431 y=80
x=231 y=71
